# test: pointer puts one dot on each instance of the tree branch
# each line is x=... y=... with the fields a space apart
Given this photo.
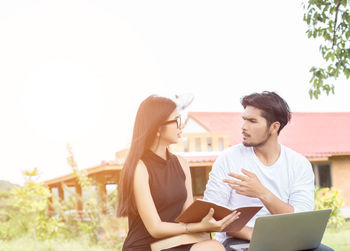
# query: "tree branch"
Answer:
x=335 y=21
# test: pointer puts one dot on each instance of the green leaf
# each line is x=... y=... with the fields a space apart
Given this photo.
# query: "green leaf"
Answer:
x=347 y=34
x=310 y=93
x=310 y=34
x=330 y=28
x=347 y=73
x=327 y=56
x=344 y=2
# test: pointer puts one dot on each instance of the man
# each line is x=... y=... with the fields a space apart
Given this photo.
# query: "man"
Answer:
x=261 y=171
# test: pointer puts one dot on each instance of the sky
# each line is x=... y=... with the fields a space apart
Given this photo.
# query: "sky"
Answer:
x=74 y=71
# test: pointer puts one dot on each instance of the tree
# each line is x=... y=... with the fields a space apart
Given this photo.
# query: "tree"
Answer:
x=329 y=20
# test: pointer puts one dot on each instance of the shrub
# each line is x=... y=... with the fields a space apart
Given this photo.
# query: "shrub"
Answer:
x=330 y=198
x=29 y=209
x=9 y=225
x=98 y=223
x=24 y=212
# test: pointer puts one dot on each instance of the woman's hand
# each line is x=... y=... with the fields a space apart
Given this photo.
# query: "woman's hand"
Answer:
x=210 y=224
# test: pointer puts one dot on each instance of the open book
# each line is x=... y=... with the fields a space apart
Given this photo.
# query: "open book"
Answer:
x=200 y=208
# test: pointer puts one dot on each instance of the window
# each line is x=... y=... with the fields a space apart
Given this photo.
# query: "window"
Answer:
x=323 y=177
x=197 y=144
x=186 y=145
x=198 y=180
x=220 y=144
x=69 y=193
x=85 y=193
x=209 y=144
x=54 y=192
x=110 y=188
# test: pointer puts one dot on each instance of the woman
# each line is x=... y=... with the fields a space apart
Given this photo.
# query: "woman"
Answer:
x=155 y=185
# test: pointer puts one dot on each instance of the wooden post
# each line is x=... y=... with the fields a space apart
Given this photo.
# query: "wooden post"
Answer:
x=60 y=192
x=207 y=171
x=102 y=193
x=50 y=209
x=117 y=177
x=79 y=204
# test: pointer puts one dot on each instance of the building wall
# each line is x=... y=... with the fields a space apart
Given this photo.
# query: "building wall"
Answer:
x=201 y=142
x=192 y=127
x=340 y=176
x=339 y=165
x=340 y=173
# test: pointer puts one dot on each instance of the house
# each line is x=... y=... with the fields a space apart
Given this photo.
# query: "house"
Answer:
x=323 y=138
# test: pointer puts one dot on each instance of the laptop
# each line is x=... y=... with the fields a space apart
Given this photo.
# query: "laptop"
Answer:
x=294 y=231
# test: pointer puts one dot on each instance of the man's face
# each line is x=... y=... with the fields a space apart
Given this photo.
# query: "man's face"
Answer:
x=254 y=128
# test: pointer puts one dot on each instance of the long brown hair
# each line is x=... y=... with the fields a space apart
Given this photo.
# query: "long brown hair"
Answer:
x=152 y=112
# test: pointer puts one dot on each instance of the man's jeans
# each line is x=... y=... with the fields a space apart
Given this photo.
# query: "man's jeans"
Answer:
x=232 y=241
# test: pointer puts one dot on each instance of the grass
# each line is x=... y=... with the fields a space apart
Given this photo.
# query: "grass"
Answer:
x=28 y=244
x=338 y=239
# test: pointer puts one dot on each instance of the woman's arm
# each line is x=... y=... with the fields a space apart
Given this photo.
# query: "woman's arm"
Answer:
x=245 y=233
x=149 y=215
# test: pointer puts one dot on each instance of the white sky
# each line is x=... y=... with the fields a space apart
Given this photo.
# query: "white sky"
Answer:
x=75 y=71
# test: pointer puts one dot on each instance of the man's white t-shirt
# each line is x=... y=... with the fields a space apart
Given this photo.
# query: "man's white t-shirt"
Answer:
x=290 y=178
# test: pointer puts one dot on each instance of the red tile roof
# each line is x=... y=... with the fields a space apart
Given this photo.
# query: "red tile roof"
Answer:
x=311 y=134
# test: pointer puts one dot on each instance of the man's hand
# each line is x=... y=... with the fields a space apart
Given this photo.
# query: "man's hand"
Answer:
x=248 y=184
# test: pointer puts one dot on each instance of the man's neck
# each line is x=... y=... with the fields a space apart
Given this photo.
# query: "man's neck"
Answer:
x=268 y=153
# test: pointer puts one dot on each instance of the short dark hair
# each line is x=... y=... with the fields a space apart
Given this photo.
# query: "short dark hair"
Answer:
x=274 y=108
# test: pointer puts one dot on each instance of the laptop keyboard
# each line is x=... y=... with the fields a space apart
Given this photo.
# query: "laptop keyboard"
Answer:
x=239 y=249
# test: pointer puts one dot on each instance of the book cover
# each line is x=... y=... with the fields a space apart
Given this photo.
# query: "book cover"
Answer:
x=200 y=208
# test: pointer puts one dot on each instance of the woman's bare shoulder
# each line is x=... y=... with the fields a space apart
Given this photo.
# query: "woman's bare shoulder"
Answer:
x=183 y=162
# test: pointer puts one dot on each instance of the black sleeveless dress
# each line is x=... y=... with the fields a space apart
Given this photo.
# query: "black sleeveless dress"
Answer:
x=167 y=184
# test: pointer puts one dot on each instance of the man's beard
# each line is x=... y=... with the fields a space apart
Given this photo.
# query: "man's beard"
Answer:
x=261 y=143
